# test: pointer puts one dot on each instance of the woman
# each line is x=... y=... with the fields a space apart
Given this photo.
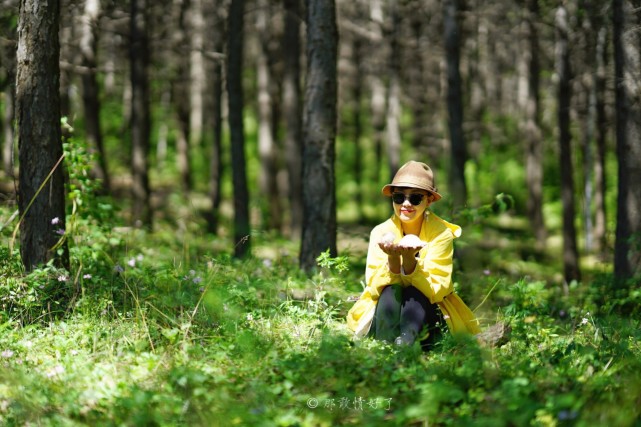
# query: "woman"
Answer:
x=409 y=294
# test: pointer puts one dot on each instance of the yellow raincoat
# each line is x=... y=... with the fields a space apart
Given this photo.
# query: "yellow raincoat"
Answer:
x=432 y=275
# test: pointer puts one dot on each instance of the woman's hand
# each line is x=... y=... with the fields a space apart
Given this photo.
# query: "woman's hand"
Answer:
x=403 y=252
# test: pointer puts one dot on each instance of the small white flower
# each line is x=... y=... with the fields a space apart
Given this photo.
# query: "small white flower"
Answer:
x=7 y=354
x=139 y=258
x=132 y=262
x=584 y=321
x=74 y=352
x=56 y=370
x=55 y=221
x=250 y=317
x=87 y=276
x=192 y=272
x=62 y=278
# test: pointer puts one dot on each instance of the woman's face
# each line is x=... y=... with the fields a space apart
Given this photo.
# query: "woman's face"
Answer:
x=405 y=206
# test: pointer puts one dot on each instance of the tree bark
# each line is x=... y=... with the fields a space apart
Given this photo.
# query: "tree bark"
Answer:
x=533 y=136
x=458 y=188
x=216 y=164
x=319 y=195
x=90 y=88
x=393 y=95
x=41 y=199
x=267 y=149
x=7 y=125
x=600 y=176
x=235 y=98
x=627 y=53
x=570 y=251
x=292 y=111
x=140 y=114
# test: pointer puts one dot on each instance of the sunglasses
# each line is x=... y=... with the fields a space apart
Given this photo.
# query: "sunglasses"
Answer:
x=414 y=198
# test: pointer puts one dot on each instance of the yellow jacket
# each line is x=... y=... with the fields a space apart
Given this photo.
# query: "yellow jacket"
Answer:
x=432 y=275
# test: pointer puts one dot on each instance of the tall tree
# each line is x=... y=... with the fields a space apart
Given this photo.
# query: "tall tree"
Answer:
x=292 y=112
x=600 y=184
x=627 y=54
x=394 y=93
x=458 y=157
x=215 y=162
x=570 y=251
x=267 y=148
x=533 y=135
x=8 y=62
x=235 y=42
x=140 y=114
x=319 y=192
x=90 y=88
x=41 y=199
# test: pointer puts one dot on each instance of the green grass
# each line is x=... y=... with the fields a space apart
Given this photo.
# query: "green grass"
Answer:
x=168 y=331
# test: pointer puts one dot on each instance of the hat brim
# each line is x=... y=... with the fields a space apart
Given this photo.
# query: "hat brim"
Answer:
x=387 y=189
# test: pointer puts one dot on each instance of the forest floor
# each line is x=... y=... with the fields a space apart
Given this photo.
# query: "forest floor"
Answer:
x=166 y=328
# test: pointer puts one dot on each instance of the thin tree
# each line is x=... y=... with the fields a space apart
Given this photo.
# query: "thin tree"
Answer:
x=533 y=136
x=570 y=251
x=458 y=187
x=292 y=112
x=90 y=87
x=267 y=148
x=627 y=51
x=140 y=114
x=235 y=98
x=41 y=199
x=600 y=175
x=319 y=129
x=392 y=119
x=215 y=162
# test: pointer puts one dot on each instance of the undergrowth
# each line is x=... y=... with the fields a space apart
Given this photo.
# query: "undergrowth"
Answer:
x=158 y=329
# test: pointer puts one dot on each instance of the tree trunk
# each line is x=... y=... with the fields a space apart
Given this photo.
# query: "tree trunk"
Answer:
x=357 y=96
x=570 y=252
x=393 y=95
x=41 y=198
x=7 y=124
x=533 y=136
x=627 y=51
x=319 y=195
x=267 y=149
x=377 y=88
x=235 y=97
x=292 y=111
x=181 y=94
x=140 y=115
x=90 y=88
x=215 y=164
x=197 y=73
x=458 y=188
x=600 y=228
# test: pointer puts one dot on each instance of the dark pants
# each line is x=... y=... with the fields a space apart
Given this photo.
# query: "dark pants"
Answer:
x=404 y=314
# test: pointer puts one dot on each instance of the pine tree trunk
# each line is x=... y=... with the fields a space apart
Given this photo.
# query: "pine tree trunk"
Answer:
x=458 y=188
x=570 y=251
x=319 y=196
x=533 y=136
x=90 y=88
x=140 y=114
x=266 y=145
x=235 y=99
x=627 y=51
x=292 y=112
x=216 y=165
x=393 y=95
x=39 y=135
x=600 y=180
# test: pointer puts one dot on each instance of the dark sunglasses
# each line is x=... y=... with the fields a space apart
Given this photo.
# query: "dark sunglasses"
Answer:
x=414 y=198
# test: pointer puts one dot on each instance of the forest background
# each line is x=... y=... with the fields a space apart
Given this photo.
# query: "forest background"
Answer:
x=215 y=219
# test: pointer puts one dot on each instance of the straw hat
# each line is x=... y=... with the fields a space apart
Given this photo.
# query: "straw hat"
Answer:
x=413 y=175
